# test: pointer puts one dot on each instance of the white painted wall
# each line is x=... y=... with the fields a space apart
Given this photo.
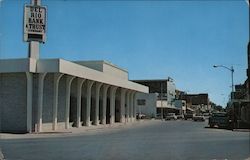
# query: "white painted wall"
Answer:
x=149 y=109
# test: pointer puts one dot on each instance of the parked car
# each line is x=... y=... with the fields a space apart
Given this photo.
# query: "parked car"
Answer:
x=188 y=116
x=206 y=115
x=198 y=118
x=219 y=119
x=158 y=116
x=180 y=116
x=171 y=116
x=140 y=116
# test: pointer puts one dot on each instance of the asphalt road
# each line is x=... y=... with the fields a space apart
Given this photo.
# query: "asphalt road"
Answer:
x=150 y=140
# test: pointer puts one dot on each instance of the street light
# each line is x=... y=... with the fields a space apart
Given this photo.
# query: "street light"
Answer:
x=232 y=76
x=161 y=103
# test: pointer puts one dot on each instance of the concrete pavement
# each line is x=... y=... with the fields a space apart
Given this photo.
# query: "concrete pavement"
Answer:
x=148 y=140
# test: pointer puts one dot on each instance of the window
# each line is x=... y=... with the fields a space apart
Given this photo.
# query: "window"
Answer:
x=141 y=102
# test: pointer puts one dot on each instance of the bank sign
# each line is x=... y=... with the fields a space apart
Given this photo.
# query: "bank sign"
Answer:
x=35 y=22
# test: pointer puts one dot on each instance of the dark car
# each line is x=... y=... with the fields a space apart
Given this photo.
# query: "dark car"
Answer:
x=188 y=116
x=219 y=119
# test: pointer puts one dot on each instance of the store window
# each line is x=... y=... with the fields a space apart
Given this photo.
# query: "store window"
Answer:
x=141 y=102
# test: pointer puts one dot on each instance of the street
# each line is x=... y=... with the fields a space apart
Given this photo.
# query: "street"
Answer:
x=150 y=140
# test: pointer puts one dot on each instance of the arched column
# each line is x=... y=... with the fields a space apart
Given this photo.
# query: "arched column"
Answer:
x=57 y=77
x=29 y=89
x=41 y=77
x=69 y=80
x=79 y=101
x=127 y=105
x=112 y=104
x=87 y=113
x=133 y=106
x=97 y=102
x=104 y=103
x=122 y=107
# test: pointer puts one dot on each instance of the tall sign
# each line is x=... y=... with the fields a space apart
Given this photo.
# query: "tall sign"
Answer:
x=35 y=23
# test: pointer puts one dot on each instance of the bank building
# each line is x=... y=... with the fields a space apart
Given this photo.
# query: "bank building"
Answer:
x=39 y=95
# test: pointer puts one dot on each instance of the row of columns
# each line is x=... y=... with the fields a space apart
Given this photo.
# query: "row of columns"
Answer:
x=126 y=105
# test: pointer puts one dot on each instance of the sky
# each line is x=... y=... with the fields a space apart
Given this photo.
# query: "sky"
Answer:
x=150 y=39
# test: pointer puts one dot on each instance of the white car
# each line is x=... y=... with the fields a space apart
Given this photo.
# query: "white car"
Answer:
x=198 y=118
x=140 y=116
x=171 y=116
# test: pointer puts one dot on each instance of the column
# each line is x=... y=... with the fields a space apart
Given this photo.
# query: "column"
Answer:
x=29 y=101
x=122 y=107
x=79 y=101
x=57 y=77
x=131 y=106
x=112 y=104
x=40 y=101
x=87 y=113
x=69 y=80
x=104 y=103
x=97 y=102
x=127 y=106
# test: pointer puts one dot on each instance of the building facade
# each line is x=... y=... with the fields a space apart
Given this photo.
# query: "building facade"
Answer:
x=241 y=106
x=146 y=104
x=165 y=89
x=52 y=94
x=198 y=102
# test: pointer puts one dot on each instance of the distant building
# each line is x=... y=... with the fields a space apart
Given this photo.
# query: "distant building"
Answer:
x=198 y=102
x=181 y=105
x=165 y=89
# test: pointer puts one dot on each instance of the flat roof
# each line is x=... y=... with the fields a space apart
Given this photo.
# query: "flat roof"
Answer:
x=154 y=80
x=66 y=67
x=104 y=62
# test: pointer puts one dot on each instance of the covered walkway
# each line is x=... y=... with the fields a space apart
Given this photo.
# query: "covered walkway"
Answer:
x=60 y=94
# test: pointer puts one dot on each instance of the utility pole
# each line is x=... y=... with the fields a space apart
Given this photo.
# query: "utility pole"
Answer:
x=248 y=69
x=161 y=104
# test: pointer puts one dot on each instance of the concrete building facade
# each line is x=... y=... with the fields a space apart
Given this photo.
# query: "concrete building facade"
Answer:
x=200 y=103
x=146 y=104
x=51 y=94
x=165 y=89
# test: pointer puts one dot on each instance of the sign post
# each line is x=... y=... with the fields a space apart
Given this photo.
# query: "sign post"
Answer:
x=35 y=26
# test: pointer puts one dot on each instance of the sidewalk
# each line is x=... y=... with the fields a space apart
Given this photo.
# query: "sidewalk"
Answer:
x=75 y=131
